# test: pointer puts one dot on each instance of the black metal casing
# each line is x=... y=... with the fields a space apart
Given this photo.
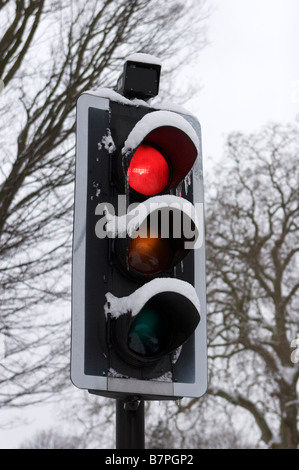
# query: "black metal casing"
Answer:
x=102 y=273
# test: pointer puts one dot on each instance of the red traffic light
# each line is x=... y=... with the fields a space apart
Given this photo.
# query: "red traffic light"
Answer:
x=148 y=171
x=162 y=148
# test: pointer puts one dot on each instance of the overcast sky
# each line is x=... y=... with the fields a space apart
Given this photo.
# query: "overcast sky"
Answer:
x=249 y=74
x=249 y=71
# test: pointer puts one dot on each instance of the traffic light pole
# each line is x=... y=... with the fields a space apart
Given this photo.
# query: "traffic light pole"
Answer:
x=130 y=423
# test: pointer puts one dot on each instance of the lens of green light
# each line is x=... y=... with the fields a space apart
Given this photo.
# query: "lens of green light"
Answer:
x=149 y=333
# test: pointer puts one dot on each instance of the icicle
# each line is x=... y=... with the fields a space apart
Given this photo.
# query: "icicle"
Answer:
x=176 y=354
x=187 y=182
x=178 y=190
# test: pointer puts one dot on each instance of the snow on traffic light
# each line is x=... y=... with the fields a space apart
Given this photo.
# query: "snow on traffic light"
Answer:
x=138 y=296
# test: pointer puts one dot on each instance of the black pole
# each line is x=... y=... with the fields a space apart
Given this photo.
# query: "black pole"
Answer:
x=130 y=423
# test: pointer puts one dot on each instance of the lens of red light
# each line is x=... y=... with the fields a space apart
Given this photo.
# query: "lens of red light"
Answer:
x=148 y=171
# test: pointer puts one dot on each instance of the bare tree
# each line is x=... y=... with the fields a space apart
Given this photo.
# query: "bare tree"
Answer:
x=252 y=268
x=50 y=52
x=52 y=439
x=185 y=424
x=252 y=233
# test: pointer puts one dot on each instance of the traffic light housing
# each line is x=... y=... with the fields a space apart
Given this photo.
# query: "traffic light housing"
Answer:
x=138 y=288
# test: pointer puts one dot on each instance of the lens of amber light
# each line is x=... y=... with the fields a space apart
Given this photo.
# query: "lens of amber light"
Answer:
x=148 y=171
x=148 y=255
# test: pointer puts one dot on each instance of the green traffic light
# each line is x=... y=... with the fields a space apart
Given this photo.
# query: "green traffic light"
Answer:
x=149 y=333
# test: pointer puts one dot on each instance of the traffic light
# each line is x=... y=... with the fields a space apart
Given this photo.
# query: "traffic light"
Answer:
x=138 y=288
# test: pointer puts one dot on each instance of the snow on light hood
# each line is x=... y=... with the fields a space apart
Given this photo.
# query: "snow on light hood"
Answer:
x=154 y=120
x=130 y=222
x=135 y=302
